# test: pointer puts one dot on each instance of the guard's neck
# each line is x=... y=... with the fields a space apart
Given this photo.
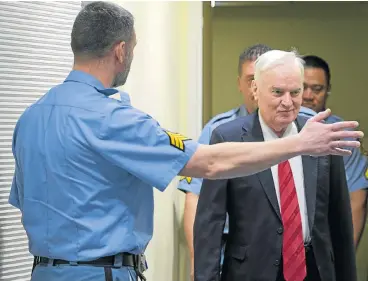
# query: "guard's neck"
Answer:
x=97 y=68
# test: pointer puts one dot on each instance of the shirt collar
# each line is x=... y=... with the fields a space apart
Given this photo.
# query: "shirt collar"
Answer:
x=83 y=77
x=124 y=97
x=242 y=111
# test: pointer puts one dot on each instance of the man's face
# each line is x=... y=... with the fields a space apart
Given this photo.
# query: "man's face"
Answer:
x=279 y=95
x=122 y=76
x=315 y=88
x=245 y=85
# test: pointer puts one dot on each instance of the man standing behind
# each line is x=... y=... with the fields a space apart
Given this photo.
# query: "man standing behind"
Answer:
x=192 y=186
x=317 y=88
x=288 y=222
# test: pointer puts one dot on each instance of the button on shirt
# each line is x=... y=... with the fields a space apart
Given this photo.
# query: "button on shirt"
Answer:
x=297 y=169
x=85 y=167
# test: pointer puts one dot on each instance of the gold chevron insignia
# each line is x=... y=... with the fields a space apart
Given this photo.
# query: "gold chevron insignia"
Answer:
x=366 y=173
x=188 y=179
x=177 y=140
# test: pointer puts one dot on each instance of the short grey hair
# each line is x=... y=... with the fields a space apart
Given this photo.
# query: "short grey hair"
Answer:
x=274 y=58
x=98 y=27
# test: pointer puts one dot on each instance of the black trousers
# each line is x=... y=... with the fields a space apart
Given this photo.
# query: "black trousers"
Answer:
x=312 y=270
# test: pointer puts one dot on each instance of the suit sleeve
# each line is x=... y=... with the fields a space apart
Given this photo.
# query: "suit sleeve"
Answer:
x=341 y=225
x=209 y=225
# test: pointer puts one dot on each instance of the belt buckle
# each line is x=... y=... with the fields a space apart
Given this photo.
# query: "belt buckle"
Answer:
x=140 y=266
x=142 y=263
x=37 y=260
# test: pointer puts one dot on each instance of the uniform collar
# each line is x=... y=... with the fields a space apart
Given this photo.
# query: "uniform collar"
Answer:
x=85 y=78
x=242 y=111
x=124 y=97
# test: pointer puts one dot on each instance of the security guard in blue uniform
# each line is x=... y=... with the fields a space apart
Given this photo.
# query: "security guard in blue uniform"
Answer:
x=317 y=89
x=85 y=164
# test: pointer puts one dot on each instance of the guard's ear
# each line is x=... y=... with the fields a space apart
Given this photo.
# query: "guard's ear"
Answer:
x=329 y=90
x=120 y=50
x=254 y=88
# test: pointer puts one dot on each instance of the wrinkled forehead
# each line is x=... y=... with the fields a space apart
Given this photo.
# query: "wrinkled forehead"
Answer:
x=283 y=73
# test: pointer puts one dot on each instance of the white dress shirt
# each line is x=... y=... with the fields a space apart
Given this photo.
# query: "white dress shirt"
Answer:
x=297 y=169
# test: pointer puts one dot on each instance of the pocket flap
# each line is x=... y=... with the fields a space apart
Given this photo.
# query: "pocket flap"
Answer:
x=332 y=255
x=239 y=252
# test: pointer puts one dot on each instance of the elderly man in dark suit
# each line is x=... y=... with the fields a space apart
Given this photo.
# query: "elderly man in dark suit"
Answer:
x=291 y=222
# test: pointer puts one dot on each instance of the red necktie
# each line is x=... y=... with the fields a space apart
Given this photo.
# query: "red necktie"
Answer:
x=293 y=252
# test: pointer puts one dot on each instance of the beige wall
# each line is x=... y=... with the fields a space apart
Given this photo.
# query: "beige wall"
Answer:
x=334 y=31
x=166 y=82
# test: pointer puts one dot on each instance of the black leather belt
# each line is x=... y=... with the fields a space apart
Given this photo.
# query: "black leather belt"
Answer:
x=138 y=262
x=127 y=260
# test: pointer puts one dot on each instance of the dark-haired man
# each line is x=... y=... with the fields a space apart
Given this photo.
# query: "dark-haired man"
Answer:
x=317 y=88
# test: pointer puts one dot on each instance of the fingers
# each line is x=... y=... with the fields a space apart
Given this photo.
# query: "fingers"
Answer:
x=347 y=134
x=321 y=116
x=343 y=125
x=345 y=143
x=341 y=152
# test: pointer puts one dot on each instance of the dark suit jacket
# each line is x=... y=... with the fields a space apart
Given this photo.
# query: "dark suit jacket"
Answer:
x=253 y=250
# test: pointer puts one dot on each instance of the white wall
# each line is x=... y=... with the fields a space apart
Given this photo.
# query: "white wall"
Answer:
x=166 y=82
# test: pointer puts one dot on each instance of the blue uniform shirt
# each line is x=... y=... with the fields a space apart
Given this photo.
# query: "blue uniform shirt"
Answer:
x=194 y=184
x=85 y=168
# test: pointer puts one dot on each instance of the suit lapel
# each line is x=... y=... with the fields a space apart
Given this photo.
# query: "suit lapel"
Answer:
x=310 y=173
x=253 y=133
x=310 y=186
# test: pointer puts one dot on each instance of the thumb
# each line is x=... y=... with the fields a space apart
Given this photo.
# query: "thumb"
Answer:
x=321 y=116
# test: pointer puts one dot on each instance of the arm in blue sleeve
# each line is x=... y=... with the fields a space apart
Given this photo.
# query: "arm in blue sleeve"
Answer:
x=134 y=141
x=193 y=185
x=14 y=190
x=14 y=194
x=356 y=166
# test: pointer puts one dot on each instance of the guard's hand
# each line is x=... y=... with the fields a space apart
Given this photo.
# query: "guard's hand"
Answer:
x=318 y=138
